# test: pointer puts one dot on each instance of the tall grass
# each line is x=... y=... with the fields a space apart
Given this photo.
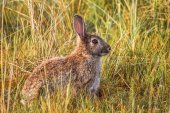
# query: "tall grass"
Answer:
x=135 y=76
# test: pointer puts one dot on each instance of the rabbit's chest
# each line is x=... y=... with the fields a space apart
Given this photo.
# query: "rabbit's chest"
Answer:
x=96 y=82
x=92 y=77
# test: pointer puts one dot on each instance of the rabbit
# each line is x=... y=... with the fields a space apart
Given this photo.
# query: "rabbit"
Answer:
x=81 y=68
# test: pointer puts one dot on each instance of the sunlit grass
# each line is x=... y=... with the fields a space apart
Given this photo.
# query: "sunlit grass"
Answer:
x=135 y=75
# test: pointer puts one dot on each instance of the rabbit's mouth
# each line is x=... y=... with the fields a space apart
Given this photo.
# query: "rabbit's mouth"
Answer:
x=104 y=53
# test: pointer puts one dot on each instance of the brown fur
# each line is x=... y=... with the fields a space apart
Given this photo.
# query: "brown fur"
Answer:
x=81 y=67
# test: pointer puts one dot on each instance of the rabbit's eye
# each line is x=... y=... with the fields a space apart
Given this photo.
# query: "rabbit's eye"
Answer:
x=94 y=41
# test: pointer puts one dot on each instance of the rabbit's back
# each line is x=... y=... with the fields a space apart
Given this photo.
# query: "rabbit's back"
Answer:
x=45 y=72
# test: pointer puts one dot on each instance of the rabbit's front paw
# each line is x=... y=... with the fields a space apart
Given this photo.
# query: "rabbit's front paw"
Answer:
x=98 y=93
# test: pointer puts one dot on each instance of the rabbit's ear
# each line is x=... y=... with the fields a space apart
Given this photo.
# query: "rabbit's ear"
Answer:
x=79 y=26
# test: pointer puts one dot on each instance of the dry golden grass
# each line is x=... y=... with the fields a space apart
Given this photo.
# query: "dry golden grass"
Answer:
x=135 y=76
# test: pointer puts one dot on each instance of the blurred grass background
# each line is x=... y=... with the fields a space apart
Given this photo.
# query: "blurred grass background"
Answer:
x=135 y=76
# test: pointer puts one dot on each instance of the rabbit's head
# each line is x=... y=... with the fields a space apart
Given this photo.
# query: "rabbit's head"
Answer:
x=89 y=44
